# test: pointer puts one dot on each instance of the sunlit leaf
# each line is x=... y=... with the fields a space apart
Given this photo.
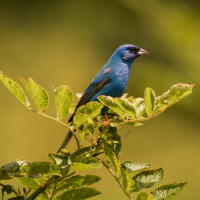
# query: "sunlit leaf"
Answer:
x=139 y=106
x=128 y=181
x=93 y=161
x=126 y=105
x=111 y=155
x=145 y=196
x=77 y=181
x=31 y=183
x=72 y=108
x=84 y=152
x=147 y=179
x=36 y=168
x=176 y=93
x=167 y=191
x=110 y=103
x=63 y=98
x=78 y=194
x=90 y=110
x=61 y=160
x=15 y=89
x=134 y=167
x=150 y=100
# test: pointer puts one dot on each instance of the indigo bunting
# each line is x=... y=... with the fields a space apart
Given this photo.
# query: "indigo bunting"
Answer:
x=110 y=81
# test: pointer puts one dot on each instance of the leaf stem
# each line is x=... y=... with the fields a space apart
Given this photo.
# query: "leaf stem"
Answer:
x=54 y=189
x=69 y=127
x=43 y=187
x=117 y=180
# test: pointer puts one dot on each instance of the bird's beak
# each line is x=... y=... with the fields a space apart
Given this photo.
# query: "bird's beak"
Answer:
x=142 y=52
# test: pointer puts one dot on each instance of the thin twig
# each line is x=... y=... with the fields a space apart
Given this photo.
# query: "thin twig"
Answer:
x=117 y=180
x=69 y=127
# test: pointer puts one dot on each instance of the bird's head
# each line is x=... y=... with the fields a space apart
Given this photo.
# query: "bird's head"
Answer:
x=130 y=52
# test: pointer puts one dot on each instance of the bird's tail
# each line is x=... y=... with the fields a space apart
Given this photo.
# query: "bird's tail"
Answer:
x=66 y=140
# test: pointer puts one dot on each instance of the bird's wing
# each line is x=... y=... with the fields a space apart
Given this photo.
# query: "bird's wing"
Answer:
x=95 y=86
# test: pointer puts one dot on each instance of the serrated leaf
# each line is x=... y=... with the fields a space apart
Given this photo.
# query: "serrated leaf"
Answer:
x=77 y=181
x=96 y=163
x=111 y=155
x=78 y=194
x=146 y=179
x=90 y=110
x=31 y=183
x=39 y=95
x=88 y=130
x=134 y=167
x=175 y=94
x=61 y=160
x=139 y=106
x=128 y=181
x=63 y=99
x=150 y=100
x=110 y=103
x=126 y=105
x=15 y=89
x=116 y=147
x=13 y=168
x=4 y=175
x=44 y=168
x=145 y=196
x=167 y=191
x=78 y=155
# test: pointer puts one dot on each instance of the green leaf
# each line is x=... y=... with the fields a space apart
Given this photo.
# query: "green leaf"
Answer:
x=61 y=160
x=13 y=168
x=145 y=196
x=150 y=100
x=175 y=94
x=4 y=175
x=90 y=110
x=25 y=84
x=126 y=105
x=15 y=89
x=39 y=95
x=63 y=99
x=88 y=130
x=134 y=167
x=81 y=166
x=84 y=152
x=111 y=155
x=167 y=191
x=72 y=108
x=78 y=194
x=146 y=179
x=31 y=183
x=110 y=103
x=139 y=106
x=116 y=147
x=96 y=163
x=36 y=168
x=77 y=181
x=128 y=181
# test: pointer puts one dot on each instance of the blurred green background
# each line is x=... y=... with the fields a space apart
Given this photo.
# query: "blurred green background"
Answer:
x=68 y=42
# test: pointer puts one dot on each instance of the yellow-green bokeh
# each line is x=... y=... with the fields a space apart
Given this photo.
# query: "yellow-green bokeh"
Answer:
x=68 y=42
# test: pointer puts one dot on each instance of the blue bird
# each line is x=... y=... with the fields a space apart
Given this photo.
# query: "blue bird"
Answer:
x=110 y=81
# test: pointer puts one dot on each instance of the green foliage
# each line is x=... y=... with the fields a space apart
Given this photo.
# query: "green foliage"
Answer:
x=56 y=180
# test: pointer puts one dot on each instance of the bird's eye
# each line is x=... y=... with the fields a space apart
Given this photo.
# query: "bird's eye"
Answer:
x=131 y=49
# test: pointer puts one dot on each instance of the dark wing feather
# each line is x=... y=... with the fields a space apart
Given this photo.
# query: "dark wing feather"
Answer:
x=92 y=89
